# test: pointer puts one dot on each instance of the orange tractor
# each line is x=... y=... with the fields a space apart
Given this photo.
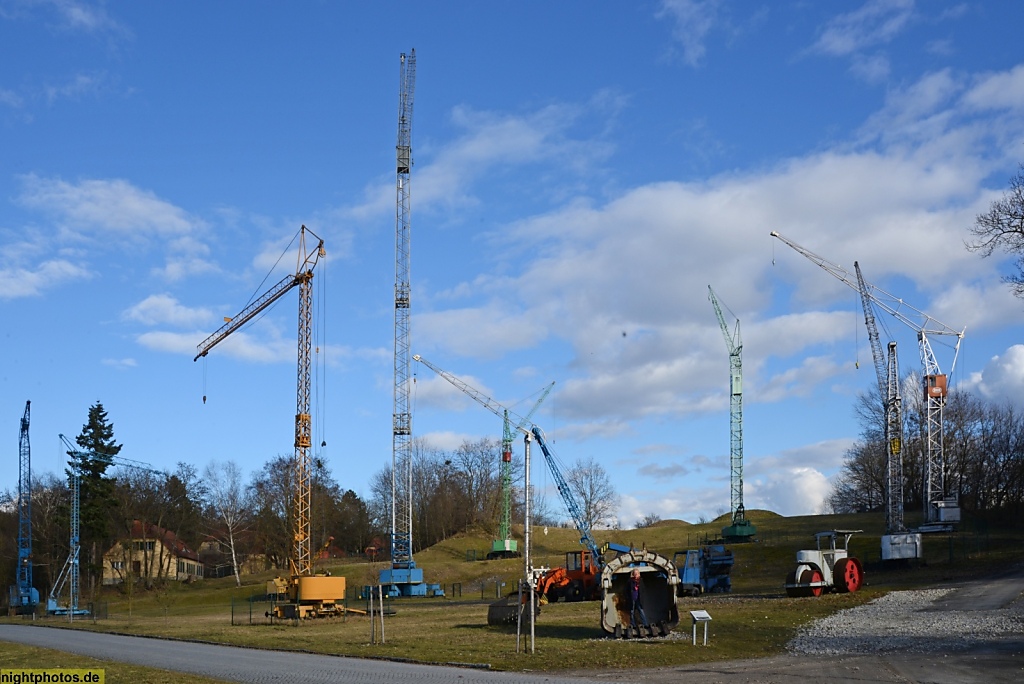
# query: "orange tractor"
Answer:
x=578 y=580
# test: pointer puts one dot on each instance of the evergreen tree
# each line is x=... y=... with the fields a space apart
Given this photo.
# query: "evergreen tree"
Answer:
x=96 y=490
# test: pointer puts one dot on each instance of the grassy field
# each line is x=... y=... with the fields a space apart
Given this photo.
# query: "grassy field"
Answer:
x=757 y=619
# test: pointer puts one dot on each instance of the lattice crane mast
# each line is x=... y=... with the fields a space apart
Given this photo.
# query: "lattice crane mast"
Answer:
x=69 y=574
x=403 y=577
x=741 y=529
x=505 y=545
x=893 y=446
x=23 y=596
x=301 y=560
x=937 y=508
x=887 y=374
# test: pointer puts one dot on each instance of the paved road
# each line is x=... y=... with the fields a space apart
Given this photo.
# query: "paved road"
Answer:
x=255 y=666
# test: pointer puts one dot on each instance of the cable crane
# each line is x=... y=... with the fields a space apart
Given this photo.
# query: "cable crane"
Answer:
x=741 y=529
x=940 y=511
x=23 y=597
x=505 y=546
x=403 y=578
x=310 y=596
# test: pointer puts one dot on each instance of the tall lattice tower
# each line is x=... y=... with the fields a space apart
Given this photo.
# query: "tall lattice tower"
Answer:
x=741 y=529
x=403 y=577
x=23 y=596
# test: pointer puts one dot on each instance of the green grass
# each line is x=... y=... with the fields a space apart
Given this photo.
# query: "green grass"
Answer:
x=18 y=657
x=757 y=619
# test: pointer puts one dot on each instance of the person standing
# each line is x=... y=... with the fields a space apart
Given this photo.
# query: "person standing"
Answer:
x=636 y=603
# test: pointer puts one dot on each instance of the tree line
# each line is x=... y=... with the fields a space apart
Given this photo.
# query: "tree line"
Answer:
x=983 y=454
x=249 y=520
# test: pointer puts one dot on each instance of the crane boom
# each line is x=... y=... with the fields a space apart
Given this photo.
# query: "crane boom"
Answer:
x=877 y=356
x=582 y=525
x=937 y=508
x=302 y=557
x=915 y=319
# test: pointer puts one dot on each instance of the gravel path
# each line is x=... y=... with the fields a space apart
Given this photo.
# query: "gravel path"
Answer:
x=907 y=622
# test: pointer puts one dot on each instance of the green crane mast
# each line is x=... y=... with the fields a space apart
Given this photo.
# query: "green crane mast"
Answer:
x=741 y=529
x=505 y=546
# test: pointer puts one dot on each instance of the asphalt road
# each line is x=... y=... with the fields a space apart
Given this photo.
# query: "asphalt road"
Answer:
x=256 y=666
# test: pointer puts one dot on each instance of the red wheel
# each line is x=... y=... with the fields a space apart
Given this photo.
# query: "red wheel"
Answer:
x=849 y=575
x=808 y=577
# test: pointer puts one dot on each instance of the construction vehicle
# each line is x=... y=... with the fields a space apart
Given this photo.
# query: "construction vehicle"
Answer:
x=741 y=529
x=308 y=594
x=22 y=596
x=827 y=568
x=658 y=582
x=579 y=579
x=704 y=570
x=941 y=512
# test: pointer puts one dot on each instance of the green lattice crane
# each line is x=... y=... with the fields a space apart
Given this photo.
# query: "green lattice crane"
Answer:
x=505 y=546
x=741 y=529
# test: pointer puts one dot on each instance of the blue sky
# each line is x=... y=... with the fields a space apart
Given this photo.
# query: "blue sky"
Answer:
x=583 y=172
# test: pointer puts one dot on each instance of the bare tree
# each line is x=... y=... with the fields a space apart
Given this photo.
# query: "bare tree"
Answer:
x=228 y=501
x=594 y=492
x=1002 y=227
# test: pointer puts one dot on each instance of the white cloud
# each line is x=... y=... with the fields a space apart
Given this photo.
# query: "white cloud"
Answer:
x=693 y=20
x=106 y=208
x=163 y=308
x=79 y=86
x=120 y=364
x=876 y=22
x=17 y=282
x=1002 y=378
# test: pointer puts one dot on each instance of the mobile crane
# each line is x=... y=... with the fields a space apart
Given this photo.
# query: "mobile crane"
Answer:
x=309 y=594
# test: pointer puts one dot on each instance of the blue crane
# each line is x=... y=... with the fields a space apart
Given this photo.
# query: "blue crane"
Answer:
x=69 y=574
x=23 y=596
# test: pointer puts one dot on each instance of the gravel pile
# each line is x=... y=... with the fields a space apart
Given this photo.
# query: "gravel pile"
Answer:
x=901 y=621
